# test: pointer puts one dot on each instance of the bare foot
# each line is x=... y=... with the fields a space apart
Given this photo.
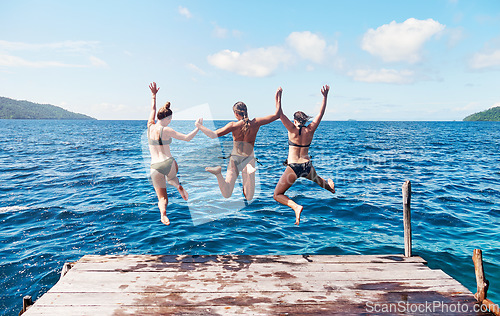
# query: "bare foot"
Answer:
x=214 y=170
x=298 y=210
x=332 y=185
x=183 y=192
x=165 y=220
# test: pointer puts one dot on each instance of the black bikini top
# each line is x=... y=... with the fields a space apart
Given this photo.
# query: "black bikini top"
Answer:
x=159 y=141
x=296 y=145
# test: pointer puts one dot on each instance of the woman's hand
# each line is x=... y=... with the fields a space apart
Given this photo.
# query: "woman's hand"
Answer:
x=199 y=122
x=278 y=94
x=324 y=90
x=153 y=88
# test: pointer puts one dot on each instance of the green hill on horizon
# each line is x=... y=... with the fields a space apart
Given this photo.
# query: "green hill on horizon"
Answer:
x=15 y=109
x=492 y=114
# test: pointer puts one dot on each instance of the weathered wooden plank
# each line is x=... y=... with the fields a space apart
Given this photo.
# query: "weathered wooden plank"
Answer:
x=260 y=309
x=117 y=266
x=254 y=258
x=359 y=295
x=439 y=285
x=209 y=282
x=331 y=308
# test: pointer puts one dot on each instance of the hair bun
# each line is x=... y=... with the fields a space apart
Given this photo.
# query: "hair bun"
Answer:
x=167 y=105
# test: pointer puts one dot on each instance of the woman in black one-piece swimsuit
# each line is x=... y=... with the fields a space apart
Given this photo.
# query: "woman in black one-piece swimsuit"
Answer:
x=299 y=163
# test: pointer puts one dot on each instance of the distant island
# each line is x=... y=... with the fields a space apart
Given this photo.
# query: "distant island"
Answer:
x=492 y=114
x=15 y=109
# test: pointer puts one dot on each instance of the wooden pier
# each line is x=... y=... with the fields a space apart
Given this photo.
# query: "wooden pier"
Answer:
x=253 y=285
x=262 y=285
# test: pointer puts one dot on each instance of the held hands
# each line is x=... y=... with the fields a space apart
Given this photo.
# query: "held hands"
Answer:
x=153 y=88
x=199 y=122
x=324 y=90
x=278 y=94
x=279 y=112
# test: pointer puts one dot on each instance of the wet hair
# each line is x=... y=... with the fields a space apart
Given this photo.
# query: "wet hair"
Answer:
x=164 y=112
x=301 y=117
x=240 y=108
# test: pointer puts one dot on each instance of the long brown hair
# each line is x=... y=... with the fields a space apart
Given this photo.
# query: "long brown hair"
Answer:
x=240 y=108
x=164 y=112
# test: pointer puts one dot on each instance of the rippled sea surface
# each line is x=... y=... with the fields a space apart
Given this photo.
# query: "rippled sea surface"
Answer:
x=71 y=188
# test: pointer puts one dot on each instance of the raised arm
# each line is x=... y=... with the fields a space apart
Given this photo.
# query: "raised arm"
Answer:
x=284 y=119
x=271 y=118
x=185 y=137
x=218 y=133
x=154 y=90
x=314 y=124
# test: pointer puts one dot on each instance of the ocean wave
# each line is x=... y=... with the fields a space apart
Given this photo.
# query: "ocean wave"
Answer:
x=15 y=208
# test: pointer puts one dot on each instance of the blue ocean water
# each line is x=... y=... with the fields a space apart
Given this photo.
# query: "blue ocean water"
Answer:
x=71 y=188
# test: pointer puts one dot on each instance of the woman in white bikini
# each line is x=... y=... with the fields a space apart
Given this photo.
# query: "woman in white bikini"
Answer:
x=163 y=166
x=242 y=157
x=299 y=163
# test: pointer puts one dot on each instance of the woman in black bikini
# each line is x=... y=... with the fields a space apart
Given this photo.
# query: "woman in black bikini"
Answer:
x=242 y=157
x=298 y=162
x=163 y=166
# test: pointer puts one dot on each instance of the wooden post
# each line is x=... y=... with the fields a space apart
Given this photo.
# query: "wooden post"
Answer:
x=27 y=302
x=482 y=284
x=407 y=217
x=66 y=267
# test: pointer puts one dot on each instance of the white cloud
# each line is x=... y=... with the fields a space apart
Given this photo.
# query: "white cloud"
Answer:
x=112 y=111
x=400 y=41
x=260 y=62
x=185 y=12
x=383 y=76
x=469 y=107
x=485 y=60
x=236 y=33
x=474 y=107
x=14 y=61
x=219 y=32
x=94 y=61
x=308 y=45
x=196 y=69
x=455 y=35
x=68 y=46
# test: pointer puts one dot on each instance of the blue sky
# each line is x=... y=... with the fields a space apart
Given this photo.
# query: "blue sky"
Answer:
x=384 y=60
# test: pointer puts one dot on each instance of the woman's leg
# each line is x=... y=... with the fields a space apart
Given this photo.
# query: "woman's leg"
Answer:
x=248 y=178
x=173 y=180
x=287 y=179
x=313 y=176
x=226 y=185
x=160 y=186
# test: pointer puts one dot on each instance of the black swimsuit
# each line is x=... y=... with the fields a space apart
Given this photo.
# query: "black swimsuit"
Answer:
x=301 y=169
